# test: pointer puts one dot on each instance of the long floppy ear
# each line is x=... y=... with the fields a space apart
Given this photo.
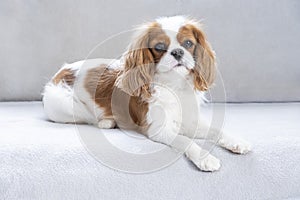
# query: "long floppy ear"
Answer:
x=139 y=66
x=204 y=71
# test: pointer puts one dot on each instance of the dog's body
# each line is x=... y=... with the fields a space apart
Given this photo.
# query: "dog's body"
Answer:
x=155 y=89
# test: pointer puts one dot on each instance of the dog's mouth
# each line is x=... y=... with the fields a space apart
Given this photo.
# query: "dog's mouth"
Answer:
x=179 y=64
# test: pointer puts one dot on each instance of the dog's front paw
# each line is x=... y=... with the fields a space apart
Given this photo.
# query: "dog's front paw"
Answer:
x=209 y=163
x=236 y=146
x=106 y=123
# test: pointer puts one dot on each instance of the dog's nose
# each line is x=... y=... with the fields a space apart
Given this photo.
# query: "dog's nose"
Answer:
x=177 y=53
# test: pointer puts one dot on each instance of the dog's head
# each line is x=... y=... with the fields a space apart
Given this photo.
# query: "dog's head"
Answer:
x=168 y=45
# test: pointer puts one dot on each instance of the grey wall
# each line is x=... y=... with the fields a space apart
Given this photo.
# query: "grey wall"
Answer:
x=257 y=42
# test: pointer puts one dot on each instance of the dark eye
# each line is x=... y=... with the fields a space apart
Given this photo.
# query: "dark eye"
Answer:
x=160 y=47
x=187 y=44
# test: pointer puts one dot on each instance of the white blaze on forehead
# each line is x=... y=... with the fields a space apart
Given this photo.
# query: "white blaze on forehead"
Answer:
x=171 y=23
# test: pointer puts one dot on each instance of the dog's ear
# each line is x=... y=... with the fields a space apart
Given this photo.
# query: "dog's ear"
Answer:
x=205 y=67
x=139 y=65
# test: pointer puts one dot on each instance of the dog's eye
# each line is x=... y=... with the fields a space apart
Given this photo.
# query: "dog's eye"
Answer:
x=160 y=47
x=187 y=44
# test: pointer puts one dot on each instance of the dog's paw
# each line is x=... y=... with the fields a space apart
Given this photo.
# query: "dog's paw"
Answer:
x=208 y=163
x=237 y=146
x=106 y=123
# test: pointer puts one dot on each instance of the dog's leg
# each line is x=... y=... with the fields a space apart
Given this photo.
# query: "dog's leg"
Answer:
x=216 y=135
x=200 y=157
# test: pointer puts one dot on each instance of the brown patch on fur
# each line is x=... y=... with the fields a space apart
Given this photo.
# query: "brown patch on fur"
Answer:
x=204 y=71
x=138 y=110
x=185 y=33
x=65 y=75
x=157 y=35
x=99 y=82
x=141 y=59
x=128 y=111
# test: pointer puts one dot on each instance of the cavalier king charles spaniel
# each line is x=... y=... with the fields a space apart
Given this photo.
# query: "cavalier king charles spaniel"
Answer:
x=155 y=89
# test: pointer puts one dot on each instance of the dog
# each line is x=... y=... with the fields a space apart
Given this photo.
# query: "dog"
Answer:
x=155 y=88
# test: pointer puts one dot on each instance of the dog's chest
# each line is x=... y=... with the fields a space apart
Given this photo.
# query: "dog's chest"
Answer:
x=171 y=109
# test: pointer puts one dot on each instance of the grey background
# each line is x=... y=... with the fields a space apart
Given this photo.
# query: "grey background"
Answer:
x=257 y=42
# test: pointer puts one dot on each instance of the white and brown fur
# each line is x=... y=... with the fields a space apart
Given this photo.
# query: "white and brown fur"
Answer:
x=123 y=93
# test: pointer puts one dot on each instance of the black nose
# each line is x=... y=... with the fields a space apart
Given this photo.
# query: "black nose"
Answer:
x=177 y=53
